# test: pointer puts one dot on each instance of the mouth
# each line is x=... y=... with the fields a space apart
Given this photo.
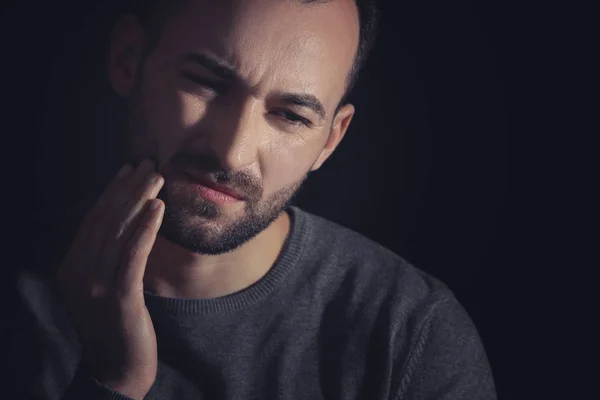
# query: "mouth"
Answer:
x=211 y=189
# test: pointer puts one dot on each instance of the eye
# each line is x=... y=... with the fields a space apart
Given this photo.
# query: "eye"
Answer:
x=206 y=84
x=293 y=118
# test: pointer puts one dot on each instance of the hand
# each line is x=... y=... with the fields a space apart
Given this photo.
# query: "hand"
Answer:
x=101 y=282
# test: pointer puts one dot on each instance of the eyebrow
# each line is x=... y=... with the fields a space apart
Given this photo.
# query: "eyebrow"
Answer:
x=214 y=65
x=304 y=100
x=225 y=71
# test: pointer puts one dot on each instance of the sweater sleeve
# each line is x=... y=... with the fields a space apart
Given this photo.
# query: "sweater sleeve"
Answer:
x=86 y=387
x=43 y=348
x=448 y=360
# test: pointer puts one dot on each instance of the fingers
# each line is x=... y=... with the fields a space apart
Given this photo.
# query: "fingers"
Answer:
x=135 y=254
x=70 y=267
x=110 y=212
x=125 y=225
x=100 y=223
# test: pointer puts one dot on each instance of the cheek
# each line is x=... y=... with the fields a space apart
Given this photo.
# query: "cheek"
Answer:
x=285 y=166
x=192 y=110
x=167 y=115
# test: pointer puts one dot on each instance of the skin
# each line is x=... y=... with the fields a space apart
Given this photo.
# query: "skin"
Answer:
x=101 y=282
x=186 y=246
x=239 y=135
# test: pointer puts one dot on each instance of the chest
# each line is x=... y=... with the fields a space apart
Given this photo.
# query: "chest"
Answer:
x=301 y=362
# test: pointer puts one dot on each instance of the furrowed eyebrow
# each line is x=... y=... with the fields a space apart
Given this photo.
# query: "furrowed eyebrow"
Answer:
x=214 y=65
x=226 y=72
x=306 y=100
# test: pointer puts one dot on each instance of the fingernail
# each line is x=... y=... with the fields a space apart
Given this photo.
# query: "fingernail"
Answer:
x=153 y=178
x=154 y=204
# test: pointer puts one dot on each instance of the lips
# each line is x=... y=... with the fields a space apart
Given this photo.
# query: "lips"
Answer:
x=205 y=181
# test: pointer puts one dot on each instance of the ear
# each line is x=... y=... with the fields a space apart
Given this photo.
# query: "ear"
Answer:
x=125 y=53
x=340 y=125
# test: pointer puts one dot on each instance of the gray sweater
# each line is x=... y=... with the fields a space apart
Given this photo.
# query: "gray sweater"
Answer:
x=337 y=317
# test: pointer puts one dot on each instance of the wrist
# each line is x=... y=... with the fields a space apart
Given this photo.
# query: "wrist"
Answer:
x=133 y=389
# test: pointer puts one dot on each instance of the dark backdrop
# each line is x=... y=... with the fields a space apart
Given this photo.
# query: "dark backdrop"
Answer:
x=437 y=164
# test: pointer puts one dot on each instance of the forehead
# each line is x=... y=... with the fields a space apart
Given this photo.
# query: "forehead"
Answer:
x=270 y=42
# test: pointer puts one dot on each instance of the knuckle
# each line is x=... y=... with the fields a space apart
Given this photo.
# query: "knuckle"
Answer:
x=146 y=224
x=132 y=253
x=141 y=196
x=118 y=227
x=119 y=230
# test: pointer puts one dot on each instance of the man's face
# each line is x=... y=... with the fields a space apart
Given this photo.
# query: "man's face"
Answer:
x=246 y=130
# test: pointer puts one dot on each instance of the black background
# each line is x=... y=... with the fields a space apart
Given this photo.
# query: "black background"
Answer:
x=451 y=160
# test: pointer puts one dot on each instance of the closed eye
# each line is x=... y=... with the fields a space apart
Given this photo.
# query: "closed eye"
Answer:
x=205 y=83
x=293 y=118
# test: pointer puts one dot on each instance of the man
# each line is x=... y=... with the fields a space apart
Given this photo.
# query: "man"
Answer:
x=192 y=277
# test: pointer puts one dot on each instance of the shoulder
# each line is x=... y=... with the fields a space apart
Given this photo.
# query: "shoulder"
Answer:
x=40 y=306
x=371 y=269
x=43 y=342
x=372 y=280
x=431 y=338
x=423 y=326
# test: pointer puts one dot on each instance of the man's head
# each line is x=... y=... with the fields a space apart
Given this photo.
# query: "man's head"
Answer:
x=250 y=94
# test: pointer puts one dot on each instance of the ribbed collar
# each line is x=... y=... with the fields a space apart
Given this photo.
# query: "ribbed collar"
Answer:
x=288 y=258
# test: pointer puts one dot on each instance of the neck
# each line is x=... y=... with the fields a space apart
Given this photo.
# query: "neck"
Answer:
x=173 y=271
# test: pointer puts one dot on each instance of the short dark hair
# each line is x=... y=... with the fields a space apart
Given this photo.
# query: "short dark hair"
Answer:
x=153 y=13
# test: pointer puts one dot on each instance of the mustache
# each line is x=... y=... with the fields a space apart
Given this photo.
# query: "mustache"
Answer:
x=211 y=167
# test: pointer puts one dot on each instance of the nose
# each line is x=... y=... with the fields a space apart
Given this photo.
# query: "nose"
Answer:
x=233 y=133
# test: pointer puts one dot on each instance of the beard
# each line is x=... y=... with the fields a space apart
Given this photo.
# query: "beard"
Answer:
x=202 y=227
